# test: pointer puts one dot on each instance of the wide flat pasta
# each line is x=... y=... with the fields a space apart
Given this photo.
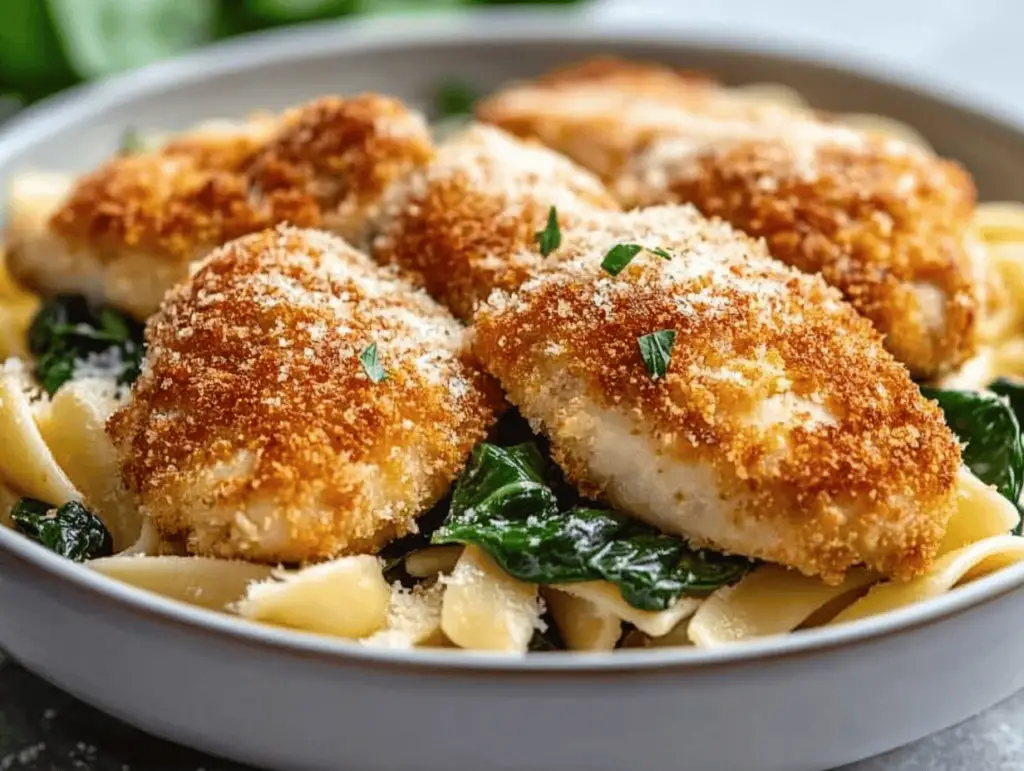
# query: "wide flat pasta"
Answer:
x=608 y=599
x=32 y=470
x=968 y=562
x=346 y=597
x=583 y=625
x=209 y=583
x=73 y=426
x=485 y=608
x=413 y=619
x=769 y=601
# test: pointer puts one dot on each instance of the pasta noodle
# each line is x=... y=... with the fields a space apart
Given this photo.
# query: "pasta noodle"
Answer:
x=484 y=608
x=346 y=597
x=413 y=619
x=208 y=583
x=583 y=625
x=606 y=597
x=426 y=563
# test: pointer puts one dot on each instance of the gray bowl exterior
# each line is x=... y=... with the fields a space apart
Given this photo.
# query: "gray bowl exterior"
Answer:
x=301 y=708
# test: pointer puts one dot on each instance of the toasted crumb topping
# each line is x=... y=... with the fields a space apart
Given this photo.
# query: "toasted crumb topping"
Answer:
x=255 y=429
x=863 y=468
x=466 y=223
x=324 y=164
x=884 y=222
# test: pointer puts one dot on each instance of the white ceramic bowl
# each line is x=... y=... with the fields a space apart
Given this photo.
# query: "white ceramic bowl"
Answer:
x=285 y=700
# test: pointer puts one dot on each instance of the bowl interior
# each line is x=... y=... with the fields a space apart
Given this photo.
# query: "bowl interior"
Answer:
x=78 y=130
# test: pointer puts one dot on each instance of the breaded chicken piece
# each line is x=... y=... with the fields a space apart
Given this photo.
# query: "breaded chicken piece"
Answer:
x=467 y=222
x=261 y=427
x=882 y=221
x=126 y=232
x=782 y=429
x=603 y=111
x=885 y=222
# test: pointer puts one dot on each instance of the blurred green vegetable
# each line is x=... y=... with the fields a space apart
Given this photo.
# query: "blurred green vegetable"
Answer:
x=48 y=45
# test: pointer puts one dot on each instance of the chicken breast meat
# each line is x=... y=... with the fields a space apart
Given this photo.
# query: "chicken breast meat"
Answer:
x=298 y=402
x=128 y=231
x=781 y=429
x=468 y=221
x=885 y=222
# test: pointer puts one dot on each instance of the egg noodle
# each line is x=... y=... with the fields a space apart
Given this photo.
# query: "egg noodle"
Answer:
x=58 y=450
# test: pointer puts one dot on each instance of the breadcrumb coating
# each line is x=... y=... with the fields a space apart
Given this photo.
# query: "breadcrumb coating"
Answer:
x=782 y=430
x=325 y=164
x=466 y=223
x=885 y=222
x=255 y=431
x=601 y=112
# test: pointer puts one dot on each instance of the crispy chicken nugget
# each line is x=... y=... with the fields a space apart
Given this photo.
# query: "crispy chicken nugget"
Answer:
x=780 y=428
x=467 y=222
x=297 y=403
x=885 y=222
x=127 y=232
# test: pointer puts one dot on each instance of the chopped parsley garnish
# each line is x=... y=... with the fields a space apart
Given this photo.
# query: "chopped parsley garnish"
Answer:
x=550 y=238
x=132 y=142
x=619 y=256
x=371 y=364
x=454 y=97
x=656 y=350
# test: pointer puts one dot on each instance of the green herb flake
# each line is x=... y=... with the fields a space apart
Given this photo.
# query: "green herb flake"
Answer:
x=656 y=350
x=371 y=364
x=550 y=238
x=503 y=505
x=454 y=97
x=70 y=530
x=619 y=256
x=664 y=254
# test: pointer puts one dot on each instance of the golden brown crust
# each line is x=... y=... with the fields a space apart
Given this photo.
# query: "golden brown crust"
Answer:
x=254 y=429
x=866 y=475
x=883 y=222
x=466 y=223
x=325 y=165
x=600 y=112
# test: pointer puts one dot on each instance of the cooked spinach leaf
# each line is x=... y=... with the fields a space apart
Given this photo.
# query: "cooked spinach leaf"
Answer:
x=987 y=426
x=70 y=530
x=503 y=504
x=68 y=331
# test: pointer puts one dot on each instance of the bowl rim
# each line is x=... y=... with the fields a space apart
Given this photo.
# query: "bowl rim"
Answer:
x=498 y=26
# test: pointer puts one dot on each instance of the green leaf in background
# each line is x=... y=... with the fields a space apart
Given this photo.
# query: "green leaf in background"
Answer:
x=503 y=504
x=101 y=37
x=987 y=426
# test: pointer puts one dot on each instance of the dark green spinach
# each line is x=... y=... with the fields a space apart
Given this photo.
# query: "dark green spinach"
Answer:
x=70 y=530
x=503 y=504
x=68 y=330
x=988 y=428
